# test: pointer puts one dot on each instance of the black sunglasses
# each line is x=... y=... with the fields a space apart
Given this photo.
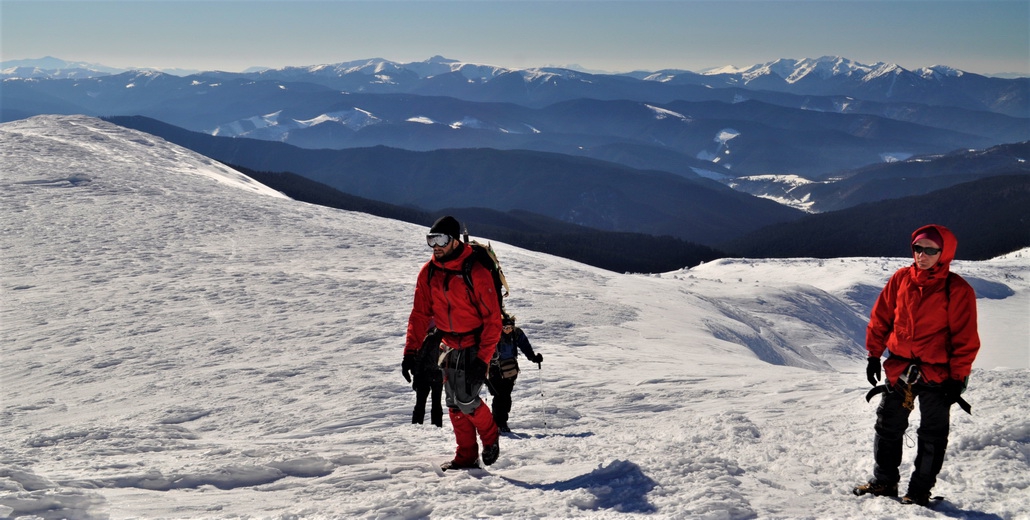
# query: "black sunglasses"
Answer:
x=930 y=251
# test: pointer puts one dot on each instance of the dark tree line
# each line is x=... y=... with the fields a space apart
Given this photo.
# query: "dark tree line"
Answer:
x=990 y=217
x=613 y=251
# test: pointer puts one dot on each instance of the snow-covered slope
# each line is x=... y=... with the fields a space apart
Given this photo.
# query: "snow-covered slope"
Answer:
x=176 y=344
x=774 y=187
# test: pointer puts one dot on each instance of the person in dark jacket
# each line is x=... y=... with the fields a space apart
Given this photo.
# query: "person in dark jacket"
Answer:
x=427 y=382
x=925 y=319
x=469 y=320
x=504 y=369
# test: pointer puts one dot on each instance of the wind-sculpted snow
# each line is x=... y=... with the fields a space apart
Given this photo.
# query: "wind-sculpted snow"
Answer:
x=799 y=326
x=81 y=144
x=175 y=347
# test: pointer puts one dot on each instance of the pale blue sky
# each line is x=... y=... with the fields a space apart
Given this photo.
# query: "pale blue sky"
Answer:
x=982 y=36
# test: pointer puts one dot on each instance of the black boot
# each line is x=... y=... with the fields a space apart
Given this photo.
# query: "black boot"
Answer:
x=877 y=489
x=490 y=453
x=453 y=464
x=916 y=496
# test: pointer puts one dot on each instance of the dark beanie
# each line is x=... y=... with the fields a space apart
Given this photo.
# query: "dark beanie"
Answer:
x=448 y=226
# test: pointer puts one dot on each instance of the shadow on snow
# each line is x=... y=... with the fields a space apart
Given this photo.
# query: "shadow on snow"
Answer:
x=620 y=486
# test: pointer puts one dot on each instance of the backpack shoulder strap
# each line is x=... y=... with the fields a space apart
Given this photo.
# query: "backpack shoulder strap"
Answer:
x=947 y=307
x=433 y=268
x=466 y=271
x=483 y=255
x=947 y=285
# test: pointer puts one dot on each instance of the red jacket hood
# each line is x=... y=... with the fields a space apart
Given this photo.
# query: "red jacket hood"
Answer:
x=948 y=249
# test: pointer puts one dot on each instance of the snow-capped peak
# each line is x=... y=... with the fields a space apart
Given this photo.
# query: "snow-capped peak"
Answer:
x=827 y=67
x=937 y=71
x=792 y=71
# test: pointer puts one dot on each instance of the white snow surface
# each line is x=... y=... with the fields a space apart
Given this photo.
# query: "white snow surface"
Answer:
x=721 y=151
x=662 y=113
x=182 y=342
x=274 y=127
x=774 y=187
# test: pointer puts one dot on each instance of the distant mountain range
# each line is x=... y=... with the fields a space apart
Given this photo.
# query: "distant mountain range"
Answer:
x=825 y=76
x=618 y=252
x=575 y=190
x=518 y=203
x=707 y=157
x=805 y=117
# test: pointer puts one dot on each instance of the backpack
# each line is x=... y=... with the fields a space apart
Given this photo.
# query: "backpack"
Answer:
x=505 y=350
x=485 y=256
x=427 y=358
x=505 y=361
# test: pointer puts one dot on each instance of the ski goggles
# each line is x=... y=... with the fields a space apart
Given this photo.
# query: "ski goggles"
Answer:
x=929 y=251
x=438 y=239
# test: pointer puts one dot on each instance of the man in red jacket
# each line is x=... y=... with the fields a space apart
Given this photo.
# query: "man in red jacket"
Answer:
x=925 y=318
x=469 y=318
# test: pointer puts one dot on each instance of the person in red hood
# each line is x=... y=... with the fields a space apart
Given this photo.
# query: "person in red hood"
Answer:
x=469 y=320
x=925 y=319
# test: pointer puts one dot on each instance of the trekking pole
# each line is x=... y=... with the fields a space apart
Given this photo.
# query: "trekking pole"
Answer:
x=543 y=399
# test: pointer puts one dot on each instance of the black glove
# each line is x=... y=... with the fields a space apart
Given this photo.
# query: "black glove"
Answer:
x=477 y=371
x=872 y=370
x=408 y=366
x=953 y=389
x=537 y=358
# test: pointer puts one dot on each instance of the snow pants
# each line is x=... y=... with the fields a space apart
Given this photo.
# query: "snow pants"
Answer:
x=932 y=436
x=428 y=383
x=466 y=426
x=469 y=414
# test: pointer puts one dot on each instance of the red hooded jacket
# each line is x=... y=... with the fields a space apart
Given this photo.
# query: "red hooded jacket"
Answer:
x=917 y=322
x=454 y=308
